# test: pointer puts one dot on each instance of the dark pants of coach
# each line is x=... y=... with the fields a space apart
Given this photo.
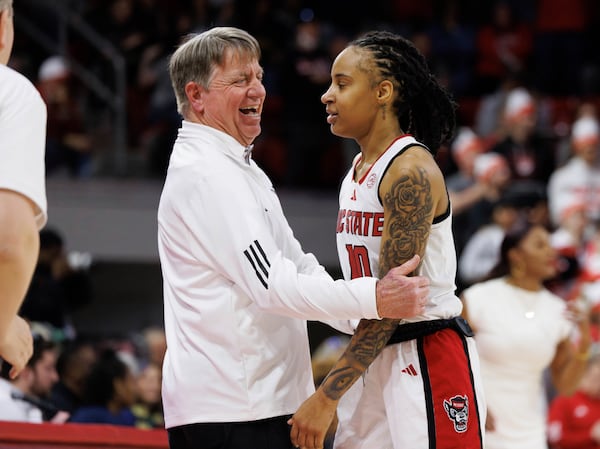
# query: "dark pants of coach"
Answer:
x=272 y=433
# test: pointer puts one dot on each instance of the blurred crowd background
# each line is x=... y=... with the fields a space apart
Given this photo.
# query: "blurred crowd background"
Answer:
x=525 y=75
x=101 y=66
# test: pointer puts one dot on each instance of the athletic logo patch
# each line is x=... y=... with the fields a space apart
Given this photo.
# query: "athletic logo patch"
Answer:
x=371 y=180
x=259 y=261
x=410 y=370
x=457 y=409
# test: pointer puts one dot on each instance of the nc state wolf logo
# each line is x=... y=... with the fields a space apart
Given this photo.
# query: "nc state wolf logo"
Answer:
x=457 y=410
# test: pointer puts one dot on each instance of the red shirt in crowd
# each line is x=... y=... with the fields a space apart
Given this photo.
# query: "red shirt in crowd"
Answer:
x=570 y=420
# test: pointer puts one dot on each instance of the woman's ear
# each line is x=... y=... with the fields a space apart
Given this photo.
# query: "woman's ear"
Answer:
x=385 y=92
x=516 y=263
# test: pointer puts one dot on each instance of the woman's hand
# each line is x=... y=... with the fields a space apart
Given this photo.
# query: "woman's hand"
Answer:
x=312 y=421
x=580 y=315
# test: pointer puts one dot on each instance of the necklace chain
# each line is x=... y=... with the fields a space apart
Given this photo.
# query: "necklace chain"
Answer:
x=527 y=301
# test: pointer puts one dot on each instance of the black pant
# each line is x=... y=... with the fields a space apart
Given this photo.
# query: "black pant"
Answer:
x=272 y=433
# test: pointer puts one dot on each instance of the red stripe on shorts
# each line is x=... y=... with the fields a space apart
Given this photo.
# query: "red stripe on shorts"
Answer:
x=451 y=401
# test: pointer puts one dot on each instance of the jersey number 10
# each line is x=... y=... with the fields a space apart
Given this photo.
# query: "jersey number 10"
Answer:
x=359 y=261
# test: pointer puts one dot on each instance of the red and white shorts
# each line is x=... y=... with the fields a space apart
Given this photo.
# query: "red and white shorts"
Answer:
x=424 y=393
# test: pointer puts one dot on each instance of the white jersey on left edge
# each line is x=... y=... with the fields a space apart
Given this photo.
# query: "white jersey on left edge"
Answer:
x=23 y=117
x=360 y=225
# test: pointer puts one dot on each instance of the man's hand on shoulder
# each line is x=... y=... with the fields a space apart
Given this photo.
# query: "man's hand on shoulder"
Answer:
x=400 y=295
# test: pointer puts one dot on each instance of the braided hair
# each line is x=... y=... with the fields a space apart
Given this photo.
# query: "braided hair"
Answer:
x=424 y=108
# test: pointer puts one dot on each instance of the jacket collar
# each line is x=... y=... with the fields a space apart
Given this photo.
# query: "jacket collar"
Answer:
x=229 y=146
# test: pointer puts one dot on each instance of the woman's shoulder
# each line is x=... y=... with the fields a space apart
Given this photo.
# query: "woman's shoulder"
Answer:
x=484 y=295
x=553 y=299
x=491 y=285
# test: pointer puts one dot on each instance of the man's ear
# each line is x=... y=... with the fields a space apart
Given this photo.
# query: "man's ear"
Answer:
x=194 y=93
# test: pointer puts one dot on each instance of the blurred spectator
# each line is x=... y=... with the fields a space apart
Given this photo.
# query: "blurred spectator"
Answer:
x=482 y=250
x=130 y=31
x=579 y=179
x=162 y=119
x=532 y=201
x=73 y=366
x=462 y=187
x=529 y=156
x=475 y=187
x=110 y=391
x=491 y=169
x=568 y=239
x=594 y=321
x=521 y=330
x=25 y=398
x=491 y=172
x=488 y=117
x=147 y=409
x=504 y=46
x=574 y=420
x=564 y=114
x=68 y=144
x=304 y=78
x=550 y=42
x=589 y=279
x=452 y=49
x=155 y=343
x=60 y=284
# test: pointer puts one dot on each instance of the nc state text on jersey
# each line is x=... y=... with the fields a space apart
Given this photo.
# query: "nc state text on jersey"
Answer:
x=360 y=223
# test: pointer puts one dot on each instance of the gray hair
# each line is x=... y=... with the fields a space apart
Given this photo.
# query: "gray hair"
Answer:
x=199 y=55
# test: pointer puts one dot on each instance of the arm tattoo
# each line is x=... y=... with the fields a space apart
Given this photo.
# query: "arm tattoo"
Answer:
x=409 y=206
x=368 y=341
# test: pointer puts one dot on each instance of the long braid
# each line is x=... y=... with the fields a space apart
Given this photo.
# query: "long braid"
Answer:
x=425 y=109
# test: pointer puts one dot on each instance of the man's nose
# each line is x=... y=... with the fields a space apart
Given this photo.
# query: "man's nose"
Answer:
x=257 y=89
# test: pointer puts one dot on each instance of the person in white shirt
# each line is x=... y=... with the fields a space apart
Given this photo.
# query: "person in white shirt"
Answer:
x=523 y=330
x=483 y=247
x=25 y=398
x=238 y=288
x=579 y=179
x=12 y=408
x=23 y=207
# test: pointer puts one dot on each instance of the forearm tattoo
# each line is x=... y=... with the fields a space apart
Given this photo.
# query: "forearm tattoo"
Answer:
x=409 y=207
x=368 y=341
